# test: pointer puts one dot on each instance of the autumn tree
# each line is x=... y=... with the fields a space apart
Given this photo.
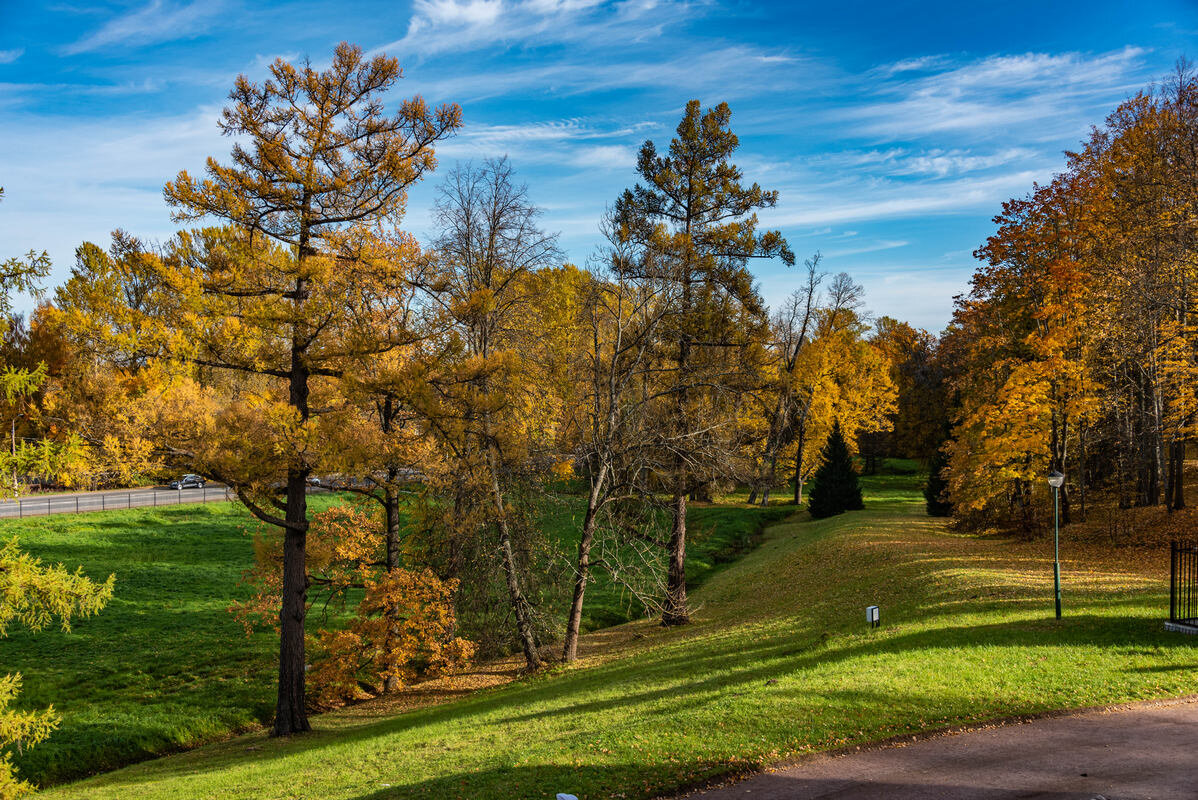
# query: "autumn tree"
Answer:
x=1139 y=237
x=34 y=344
x=781 y=398
x=839 y=376
x=20 y=274
x=694 y=220
x=403 y=627
x=1075 y=347
x=481 y=400
x=19 y=378
x=35 y=595
x=920 y=418
x=380 y=448
x=619 y=447
x=1019 y=411
x=280 y=298
x=936 y=489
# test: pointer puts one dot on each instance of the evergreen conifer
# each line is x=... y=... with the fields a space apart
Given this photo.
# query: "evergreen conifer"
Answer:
x=834 y=487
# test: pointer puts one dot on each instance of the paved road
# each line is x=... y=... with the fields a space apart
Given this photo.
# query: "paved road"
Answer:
x=1144 y=752
x=77 y=502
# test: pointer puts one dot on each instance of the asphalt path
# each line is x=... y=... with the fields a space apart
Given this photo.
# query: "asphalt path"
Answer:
x=1140 y=752
x=78 y=502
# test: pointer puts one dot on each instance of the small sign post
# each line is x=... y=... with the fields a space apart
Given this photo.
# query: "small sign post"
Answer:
x=872 y=616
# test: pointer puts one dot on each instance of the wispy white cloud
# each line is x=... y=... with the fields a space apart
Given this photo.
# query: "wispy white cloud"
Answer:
x=959 y=107
x=919 y=64
x=94 y=175
x=573 y=129
x=941 y=163
x=875 y=247
x=17 y=94
x=875 y=199
x=906 y=291
x=577 y=143
x=611 y=156
x=996 y=93
x=687 y=72
x=884 y=168
x=9 y=56
x=439 y=26
x=935 y=162
x=159 y=21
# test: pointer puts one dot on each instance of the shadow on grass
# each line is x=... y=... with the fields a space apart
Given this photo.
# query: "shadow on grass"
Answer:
x=1190 y=667
x=540 y=781
x=684 y=683
x=695 y=669
x=727 y=670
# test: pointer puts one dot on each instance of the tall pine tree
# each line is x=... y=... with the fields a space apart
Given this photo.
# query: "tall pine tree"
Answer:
x=834 y=487
x=285 y=294
x=694 y=221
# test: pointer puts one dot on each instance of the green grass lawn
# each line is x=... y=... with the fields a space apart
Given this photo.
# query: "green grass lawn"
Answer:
x=165 y=666
x=778 y=663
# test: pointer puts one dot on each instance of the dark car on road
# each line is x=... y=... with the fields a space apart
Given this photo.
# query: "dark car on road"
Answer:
x=188 y=482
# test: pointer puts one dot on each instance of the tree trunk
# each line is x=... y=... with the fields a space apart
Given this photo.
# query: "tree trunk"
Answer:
x=773 y=476
x=390 y=496
x=798 y=487
x=1174 y=489
x=1151 y=493
x=1081 y=470
x=1179 y=494
x=519 y=602
x=583 y=568
x=291 y=714
x=799 y=465
x=391 y=510
x=676 y=612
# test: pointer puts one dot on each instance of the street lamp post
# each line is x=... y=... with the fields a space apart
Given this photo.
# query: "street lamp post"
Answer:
x=1056 y=480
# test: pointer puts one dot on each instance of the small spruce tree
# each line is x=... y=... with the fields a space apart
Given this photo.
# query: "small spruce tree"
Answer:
x=834 y=487
x=934 y=490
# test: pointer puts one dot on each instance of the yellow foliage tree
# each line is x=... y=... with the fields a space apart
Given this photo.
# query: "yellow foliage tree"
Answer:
x=287 y=298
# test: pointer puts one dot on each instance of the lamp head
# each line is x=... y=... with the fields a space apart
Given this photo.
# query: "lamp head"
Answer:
x=1056 y=480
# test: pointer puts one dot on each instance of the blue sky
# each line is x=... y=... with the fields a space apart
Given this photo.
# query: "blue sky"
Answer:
x=893 y=130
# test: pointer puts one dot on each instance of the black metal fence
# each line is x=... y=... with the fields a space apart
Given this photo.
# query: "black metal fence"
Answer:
x=1183 y=582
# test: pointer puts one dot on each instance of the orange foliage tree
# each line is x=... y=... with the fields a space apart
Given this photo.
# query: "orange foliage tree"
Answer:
x=403 y=626
x=1075 y=348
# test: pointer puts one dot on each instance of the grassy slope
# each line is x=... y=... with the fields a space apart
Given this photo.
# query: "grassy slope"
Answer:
x=165 y=666
x=777 y=664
